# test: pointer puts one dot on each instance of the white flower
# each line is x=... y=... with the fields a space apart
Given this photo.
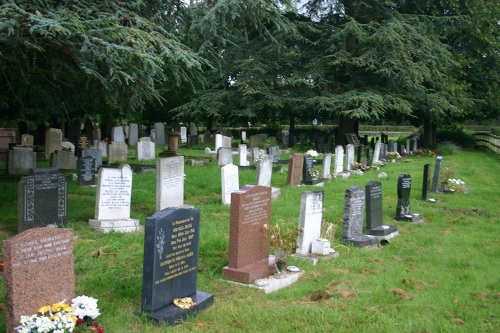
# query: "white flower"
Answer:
x=84 y=306
x=312 y=153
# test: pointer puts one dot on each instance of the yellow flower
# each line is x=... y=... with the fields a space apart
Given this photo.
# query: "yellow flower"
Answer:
x=44 y=309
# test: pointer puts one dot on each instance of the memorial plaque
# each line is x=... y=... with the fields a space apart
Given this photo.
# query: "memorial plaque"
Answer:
x=311 y=214
x=42 y=199
x=374 y=220
x=169 y=182
x=352 y=229
x=295 y=165
x=264 y=170
x=170 y=270
x=33 y=259
x=230 y=182
x=249 y=238
x=86 y=171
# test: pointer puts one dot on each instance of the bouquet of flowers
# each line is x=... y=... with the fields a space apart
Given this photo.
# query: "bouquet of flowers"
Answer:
x=392 y=155
x=457 y=185
x=312 y=153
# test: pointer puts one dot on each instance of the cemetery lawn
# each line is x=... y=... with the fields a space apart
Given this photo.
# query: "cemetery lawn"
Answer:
x=439 y=276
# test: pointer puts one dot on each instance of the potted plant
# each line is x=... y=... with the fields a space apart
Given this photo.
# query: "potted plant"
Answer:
x=283 y=242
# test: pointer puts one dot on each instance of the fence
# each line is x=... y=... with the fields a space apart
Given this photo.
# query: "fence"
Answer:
x=488 y=140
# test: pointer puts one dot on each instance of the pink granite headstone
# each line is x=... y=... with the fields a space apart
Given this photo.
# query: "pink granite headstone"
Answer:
x=39 y=270
x=249 y=237
x=295 y=165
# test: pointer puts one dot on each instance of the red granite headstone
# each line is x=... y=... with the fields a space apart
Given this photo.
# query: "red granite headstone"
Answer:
x=39 y=270
x=249 y=237
x=295 y=165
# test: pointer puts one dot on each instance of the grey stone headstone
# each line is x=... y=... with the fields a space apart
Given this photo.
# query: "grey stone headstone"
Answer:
x=425 y=181
x=391 y=146
x=53 y=141
x=274 y=151
x=62 y=159
x=42 y=199
x=350 y=156
x=376 y=153
x=242 y=155
x=224 y=156
x=159 y=133
x=183 y=134
x=311 y=214
x=264 y=170
x=170 y=266
x=408 y=145
x=169 y=182
x=103 y=147
x=96 y=153
x=117 y=152
x=374 y=220
x=27 y=140
x=20 y=160
x=403 y=205
x=133 y=135
x=435 y=177
x=326 y=166
x=339 y=160
x=352 y=229
x=118 y=135
x=86 y=171
x=145 y=151
x=193 y=130
x=207 y=138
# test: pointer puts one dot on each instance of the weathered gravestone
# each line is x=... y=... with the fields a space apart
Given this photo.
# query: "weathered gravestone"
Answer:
x=103 y=147
x=21 y=160
x=339 y=160
x=435 y=177
x=193 y=129
x=230 y=182
x=224 y=156
x=295 y=165
x=169 y=182
x=145 y=151
x=159 y=133
x=249 y=238
x=118 y=135
x=114 y=193
x=255 y=140
x=311 y=214
x=352 y=229
x=310 y=176
x=264 y=170
x=117 y=152
x=183 y=132
x=376 y=153
x=27 y=140
x=326 y=166
x=53 y=141
x=403 y=206
x=374 y=220
x=170 y=270
x=274 y=152
x=42 y=199
x=86 y=171
x=95 y=153
x=242 y=155
x=350 y=156
x=39 y=270
x=62 y=159
x=133 y=134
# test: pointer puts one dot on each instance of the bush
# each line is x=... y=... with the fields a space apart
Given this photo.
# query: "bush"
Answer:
x=457 y=136
x=448 y=148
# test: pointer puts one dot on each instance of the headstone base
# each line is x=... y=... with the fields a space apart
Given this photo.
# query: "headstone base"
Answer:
x=382 y=230
x=275 y=193
x=315 y=258
x=317 y=182
x=271 y=284
x=361 y=241
x=249 y=273
x=124 y=225
x=384 y=240
x=167 y=153
x=172 y=315
x=411 y=218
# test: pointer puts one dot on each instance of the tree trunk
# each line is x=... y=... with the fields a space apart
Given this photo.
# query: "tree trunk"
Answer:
x=429 y=137
x=346 y=125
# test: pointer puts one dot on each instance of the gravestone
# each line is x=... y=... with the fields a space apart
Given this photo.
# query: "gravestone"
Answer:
x=255 y=154
x=426 y=182
x=183 y=134
x=249 y=238
x=230 y=182
x=39 y=270
x=173 y=141
x=295 y=165
x=243 y=136
x=403 y=206
x=391 y=146
x=311 y=214
x=352 y=229
x=309 y=175
x=53 y=141
x=415 y=143
x=383 y=151
x=242 y=155
x=118 y=135
x=114 y=193
x=274 y=151
x=159 y=135
x=86 y=171
x=264 y=170
x=408 y=145
x=63 y=160
x=376 y=153
x=103 y=147
x=435 y=177
x=27 y=140
x=170 y=269
x=133 y=134
x=207 y=138
x=193 y=130
x=95 y=153
x=339 y=160
x=326 y=167
x=117 y=152
x=349 y=156
x=218 y=141
x=255 y=140
x=42 y=199
x=20 y=160
x=227 y=141
x=224 y=156
x=374 y=220
x=169 y=182
x=145 y=150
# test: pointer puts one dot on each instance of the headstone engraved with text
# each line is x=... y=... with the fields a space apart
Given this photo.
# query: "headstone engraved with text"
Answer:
x=53 y=141
x=376 y=153
x=350 y=156
x=311 y=214
x=403 y=206
x=224 y=156
x=183 y=134
x=169 y=182
x=33 y=260
x=114 y=194
x=230 y=182
x=21 y=160
x=352 y=229
x=170 y=270
x=308 y=170
x=249 y=238
x=339 y=160
x=264 y=170
x=145 y=150
x=42 y=199
x=326 y=166
x=426 y=182
x=86 y=171
x=117 y=152
x=274 y=151
x=295 y=165
x=435 y=177
x=243 y=155
x=96 y=153
x=374 y=221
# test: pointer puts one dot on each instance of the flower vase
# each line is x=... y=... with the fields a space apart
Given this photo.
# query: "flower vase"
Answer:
x=281 y=258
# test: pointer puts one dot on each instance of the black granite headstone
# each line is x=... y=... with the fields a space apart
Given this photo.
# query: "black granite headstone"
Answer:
x=352 y=230
x=86 y=171
x=307 y=168
x=96 y=153
x=435 y=177
x=42 y=199
x=403 y=206
x=374 y=221
x=170 y=271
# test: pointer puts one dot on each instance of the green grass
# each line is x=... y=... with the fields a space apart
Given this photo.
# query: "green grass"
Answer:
x=441 y=276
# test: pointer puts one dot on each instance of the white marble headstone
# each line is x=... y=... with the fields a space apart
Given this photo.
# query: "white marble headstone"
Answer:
x=169 y=182
x=230 y=182
x=145 y=150
x=311 y=214
x=339 y=160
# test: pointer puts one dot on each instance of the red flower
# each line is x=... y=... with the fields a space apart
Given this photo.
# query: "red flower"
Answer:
x=80 y=321
x=106 y=139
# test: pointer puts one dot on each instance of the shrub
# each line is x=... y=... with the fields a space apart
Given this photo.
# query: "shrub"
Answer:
x=448 y=148
x=457 y=136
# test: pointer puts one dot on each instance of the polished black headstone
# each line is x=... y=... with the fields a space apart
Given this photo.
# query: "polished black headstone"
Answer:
x=374 y=221
x=42 y=199
x=170 y=270
x=86 y=171
x=307 y=167
x=403 y=206
x=425 y=182
x=352 y=229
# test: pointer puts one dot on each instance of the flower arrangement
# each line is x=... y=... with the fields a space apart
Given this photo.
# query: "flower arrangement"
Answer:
x=392 y=155
x=312 y=153
x=418 y=151
x=432 y=153
x=453 y=184
x=284 y=239
x=314 y=173
x=61 y=317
